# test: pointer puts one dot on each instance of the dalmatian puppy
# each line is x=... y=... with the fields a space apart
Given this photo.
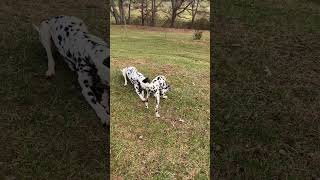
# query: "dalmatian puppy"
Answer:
x=157 y=87
x=137 y=79
x=84 y=53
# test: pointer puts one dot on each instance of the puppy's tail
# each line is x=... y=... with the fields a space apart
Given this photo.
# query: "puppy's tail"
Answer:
x=36 y=28
x=123 y=70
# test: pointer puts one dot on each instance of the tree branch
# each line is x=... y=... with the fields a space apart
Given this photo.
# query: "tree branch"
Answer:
x=185 y=7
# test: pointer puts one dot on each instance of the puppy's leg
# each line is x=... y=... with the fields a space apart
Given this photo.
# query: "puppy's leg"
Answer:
x=146 y=101
x=124 y=76
x=139 y=92
x=163 y=95
x=45 y=38
x=84 y=81
x=157 y=96
x=70 y=65
x=105 y=100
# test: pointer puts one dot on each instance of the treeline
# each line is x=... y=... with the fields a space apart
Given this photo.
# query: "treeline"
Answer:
x=166 y=13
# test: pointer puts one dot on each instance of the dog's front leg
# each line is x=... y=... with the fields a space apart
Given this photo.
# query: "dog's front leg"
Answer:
x=105 y=100
x=157 y=96
x=139 y=92
x=147 y=97
x=163 y=95
x=124 y=76
x=45 y=38
x=84 y=81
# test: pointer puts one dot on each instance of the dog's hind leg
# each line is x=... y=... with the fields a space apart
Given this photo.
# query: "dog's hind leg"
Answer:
x=45 y=38
x=101 y=111
x=124 y=76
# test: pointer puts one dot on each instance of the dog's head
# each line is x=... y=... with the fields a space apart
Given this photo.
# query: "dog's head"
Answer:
x=145 y=83
x=146 y=80
x=166 y=87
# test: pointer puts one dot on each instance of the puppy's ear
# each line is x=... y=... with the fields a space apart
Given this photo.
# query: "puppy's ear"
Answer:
x=146 y=80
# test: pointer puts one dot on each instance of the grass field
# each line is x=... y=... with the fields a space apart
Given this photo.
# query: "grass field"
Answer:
x=175 y=146
x=47 y=130
x=266 y=91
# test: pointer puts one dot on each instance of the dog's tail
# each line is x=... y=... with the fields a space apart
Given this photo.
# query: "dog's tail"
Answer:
x=123 y=70
x=36 y=28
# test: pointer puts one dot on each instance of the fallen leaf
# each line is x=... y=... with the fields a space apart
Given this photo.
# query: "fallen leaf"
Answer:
x=282 y=152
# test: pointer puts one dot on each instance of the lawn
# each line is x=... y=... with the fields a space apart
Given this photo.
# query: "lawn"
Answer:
x=176 y=145
x=266 y=96
x=48 y=130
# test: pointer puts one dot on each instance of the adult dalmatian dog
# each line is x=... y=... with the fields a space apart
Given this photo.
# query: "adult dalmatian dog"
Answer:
x=84 y=53
x=157 y=87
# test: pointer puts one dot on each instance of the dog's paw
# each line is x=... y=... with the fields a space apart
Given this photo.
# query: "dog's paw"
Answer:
x=50 y=73
x=104 y=118
x=157 y=115
x=125 y=85
x=164 y=97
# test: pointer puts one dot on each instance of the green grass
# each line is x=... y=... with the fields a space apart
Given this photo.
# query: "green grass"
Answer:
x=266 y=89
x=48 y=131
x=168 y=148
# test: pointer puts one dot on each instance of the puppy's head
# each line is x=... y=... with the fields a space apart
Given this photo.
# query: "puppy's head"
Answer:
x=146 y=80
x=166 y=88
x=145 y=83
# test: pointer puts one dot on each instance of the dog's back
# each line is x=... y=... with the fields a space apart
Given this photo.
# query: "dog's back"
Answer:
x=71 y=37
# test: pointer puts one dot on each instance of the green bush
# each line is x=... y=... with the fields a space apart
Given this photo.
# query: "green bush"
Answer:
x=197 y=35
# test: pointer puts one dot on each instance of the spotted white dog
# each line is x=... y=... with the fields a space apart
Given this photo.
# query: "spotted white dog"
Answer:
x=157 y=87
x=84 y=53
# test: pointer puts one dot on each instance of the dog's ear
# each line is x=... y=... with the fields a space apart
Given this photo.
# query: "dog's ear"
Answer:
x=146 y=80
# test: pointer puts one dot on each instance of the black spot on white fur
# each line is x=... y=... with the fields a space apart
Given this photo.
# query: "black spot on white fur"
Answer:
x=82 y=58
x=158 y=86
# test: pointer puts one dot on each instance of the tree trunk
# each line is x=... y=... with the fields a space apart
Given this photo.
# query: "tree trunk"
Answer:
x=194 y=12
x=142 y=12
x=176 y=5
x=173 y=18
x=174 y=12
x=121 y=10
x=153 y=12
x=114 y=12
x=129 y=12
x=147 y=13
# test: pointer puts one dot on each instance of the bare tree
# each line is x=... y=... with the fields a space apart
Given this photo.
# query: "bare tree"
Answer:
x=142 y=12
x=129 y=12
x=177 y=8
x=194 y=10
x=114 y=11
x=121 y=10
x=154 y=10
